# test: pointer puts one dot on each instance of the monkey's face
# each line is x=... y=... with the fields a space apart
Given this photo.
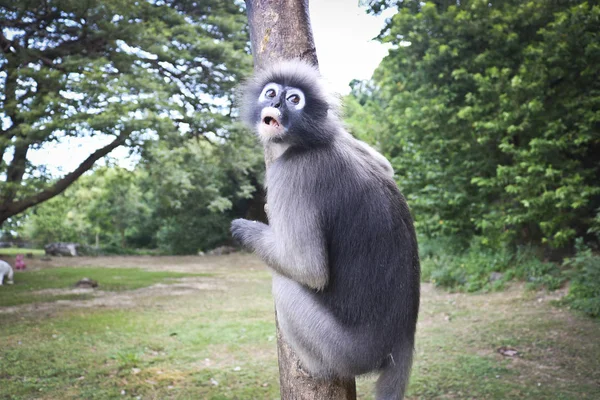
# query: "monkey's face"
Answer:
x=290 y=114
x=287 y=103
x=280 y=108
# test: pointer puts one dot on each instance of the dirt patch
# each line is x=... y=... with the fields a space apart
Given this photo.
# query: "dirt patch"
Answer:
x=190 y=264
x=126 y=299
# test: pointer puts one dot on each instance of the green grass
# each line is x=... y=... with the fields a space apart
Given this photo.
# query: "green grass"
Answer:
x=13 y=251
x=30 y=285
x=217 y=342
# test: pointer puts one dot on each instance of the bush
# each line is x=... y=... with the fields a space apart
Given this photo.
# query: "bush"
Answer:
x=584 y=271
x=472 y=270
x=538 y=273
x=446 y=265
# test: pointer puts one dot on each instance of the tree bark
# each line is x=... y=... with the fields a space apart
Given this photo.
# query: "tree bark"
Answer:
x=280 y=30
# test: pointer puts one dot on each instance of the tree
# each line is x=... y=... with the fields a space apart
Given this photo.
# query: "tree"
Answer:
x=60 y=219
x=280 y=30
x=115 y=204
x=105 y=207
x=490 y=114
x=119 y=70
x=197 y=188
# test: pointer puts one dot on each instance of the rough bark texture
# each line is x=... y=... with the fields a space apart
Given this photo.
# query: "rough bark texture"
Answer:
x=297 y=385
x=280 y=30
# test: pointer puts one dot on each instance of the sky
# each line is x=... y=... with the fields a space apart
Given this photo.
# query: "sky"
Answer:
x=343 y=34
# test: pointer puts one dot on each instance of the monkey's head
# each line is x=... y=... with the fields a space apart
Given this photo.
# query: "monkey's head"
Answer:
x=288 y=104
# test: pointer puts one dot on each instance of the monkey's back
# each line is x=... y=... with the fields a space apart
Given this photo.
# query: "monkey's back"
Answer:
x=370 y=239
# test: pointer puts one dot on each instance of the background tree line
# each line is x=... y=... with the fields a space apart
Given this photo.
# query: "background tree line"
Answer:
x=491 y=117
x=488 y=110
x=490 y=114
x=176 y=200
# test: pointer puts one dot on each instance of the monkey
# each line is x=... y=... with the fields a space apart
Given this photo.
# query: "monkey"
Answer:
x=340 y=240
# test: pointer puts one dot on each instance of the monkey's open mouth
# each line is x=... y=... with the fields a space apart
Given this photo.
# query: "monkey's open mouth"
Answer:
x=271 y=121
x=270 y=125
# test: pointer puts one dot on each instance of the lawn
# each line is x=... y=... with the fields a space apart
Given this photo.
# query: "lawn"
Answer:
x=51 y=284
x=13 y=251
x=208 y=333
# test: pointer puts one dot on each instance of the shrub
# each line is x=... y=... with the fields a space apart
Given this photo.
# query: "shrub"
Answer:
x=584 y=271
x=446 y=265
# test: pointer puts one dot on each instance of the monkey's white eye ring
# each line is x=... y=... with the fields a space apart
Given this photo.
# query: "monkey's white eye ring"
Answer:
x=296 y=98
x=270 y=91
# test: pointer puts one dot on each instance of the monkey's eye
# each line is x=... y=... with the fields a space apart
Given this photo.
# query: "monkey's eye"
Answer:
x=269 y=92
x=295 y=99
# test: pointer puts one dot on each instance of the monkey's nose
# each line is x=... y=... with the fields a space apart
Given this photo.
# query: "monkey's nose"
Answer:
x=276 y=105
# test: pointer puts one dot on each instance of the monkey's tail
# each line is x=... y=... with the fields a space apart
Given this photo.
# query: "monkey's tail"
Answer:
x=393 y=379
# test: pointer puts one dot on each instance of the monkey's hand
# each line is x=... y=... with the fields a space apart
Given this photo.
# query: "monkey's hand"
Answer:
x=248 y=233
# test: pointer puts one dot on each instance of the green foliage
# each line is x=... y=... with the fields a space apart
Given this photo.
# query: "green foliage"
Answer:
x=471 y=270
x=198 y=187
x=58 y=220
x=447 y=265
x=584 y=290
x=489 y=113
x=537 y=273
x=103 y=209
x=180 y=199
x=116 y=206
x=120 y=71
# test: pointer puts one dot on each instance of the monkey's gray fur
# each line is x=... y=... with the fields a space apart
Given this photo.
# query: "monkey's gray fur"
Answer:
x=340 y=238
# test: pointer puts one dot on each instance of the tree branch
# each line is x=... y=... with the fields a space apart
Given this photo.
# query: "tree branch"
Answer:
x=8 y=210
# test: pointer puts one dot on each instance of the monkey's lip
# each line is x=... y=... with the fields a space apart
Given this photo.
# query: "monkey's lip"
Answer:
x=270 y=123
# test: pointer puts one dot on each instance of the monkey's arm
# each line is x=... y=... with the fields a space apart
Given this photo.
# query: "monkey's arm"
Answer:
x=301 y=258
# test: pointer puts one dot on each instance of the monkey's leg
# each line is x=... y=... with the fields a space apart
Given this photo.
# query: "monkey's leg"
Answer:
x=324 y=346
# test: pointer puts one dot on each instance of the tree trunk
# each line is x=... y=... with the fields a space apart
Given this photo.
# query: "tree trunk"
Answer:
x=280 y=30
